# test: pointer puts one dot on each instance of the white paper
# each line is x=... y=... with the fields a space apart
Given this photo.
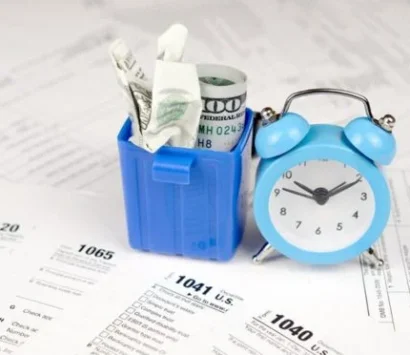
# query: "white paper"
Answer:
x=185 y=312
x=63 y=251
x=387 y=291
x=12 y=235
x=279 y=329
x=60 y=106
x=28 y=209
x=151 y=318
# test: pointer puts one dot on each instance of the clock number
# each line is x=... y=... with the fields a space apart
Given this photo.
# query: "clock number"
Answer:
x=283 y=211
x=287 y=175
x=298 y=223
x=356 y=214
x=277 y=191
x=318 y=231
x=364 y=196
x=303 y=163
x=339 y=226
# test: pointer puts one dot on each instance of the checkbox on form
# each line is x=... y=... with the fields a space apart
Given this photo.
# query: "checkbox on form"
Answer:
x=117 y=322
x=143 y=299
x=124 y=316
x=97 y=341
x=110 y=328
x=130 y=310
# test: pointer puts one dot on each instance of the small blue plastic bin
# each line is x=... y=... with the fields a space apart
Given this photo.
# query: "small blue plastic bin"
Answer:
x=189 y=202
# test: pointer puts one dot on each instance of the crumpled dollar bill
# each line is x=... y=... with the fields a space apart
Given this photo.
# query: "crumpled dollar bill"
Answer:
x=176 y=105
x=136 y=88
x=167 y=109
x=171 y=44
x=176 y=98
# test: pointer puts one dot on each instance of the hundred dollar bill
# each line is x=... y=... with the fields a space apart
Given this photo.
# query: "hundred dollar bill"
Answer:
x=136 y=88
x=223 y=92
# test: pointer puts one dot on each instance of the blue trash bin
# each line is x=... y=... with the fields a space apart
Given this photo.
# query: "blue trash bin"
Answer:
x=189 y=202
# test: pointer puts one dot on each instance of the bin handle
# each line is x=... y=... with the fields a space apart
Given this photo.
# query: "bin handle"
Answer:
x=172 y=167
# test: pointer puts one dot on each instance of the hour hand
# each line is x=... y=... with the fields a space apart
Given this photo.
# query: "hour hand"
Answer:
x=297 y=193
x=304 y=187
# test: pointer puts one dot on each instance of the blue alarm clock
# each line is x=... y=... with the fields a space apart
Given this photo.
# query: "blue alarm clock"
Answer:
x=320 y=195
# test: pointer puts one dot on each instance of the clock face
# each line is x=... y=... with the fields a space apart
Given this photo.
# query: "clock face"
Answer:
x=321 y=205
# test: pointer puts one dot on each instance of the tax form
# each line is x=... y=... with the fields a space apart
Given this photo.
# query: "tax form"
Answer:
x=27 y=208
x=17 y=225
x=278 y=330
x=59 y=103
x=12 y=234
x=185 y=312
x=60 y=250
x=154 y=318
x=387 y=290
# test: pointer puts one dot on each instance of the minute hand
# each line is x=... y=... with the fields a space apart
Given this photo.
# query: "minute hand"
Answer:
x=344 y=187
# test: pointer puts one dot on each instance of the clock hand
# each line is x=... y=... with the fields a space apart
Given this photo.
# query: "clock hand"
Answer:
x=345 y=187
x=336 y=187
x=297 y=193
x=303 y=187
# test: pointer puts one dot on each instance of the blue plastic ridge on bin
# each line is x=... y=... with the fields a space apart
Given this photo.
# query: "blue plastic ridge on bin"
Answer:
x=172 y=168
x=190 y=202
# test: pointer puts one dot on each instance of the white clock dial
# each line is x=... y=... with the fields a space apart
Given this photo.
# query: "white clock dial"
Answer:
x=321 y=206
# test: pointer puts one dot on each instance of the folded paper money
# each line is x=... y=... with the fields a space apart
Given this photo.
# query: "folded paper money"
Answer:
x=185 y=104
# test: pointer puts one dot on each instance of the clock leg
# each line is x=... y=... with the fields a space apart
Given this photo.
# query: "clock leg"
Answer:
x=266 y=251
x=372 y=255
